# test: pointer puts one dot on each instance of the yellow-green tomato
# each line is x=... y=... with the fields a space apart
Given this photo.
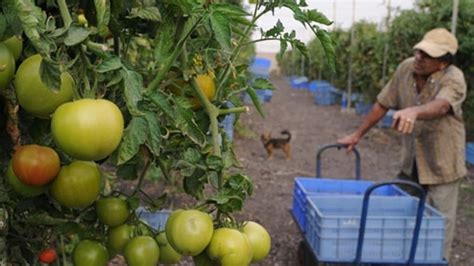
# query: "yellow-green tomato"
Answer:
x=15 y=45
x=167 y=253
x=119 y=236
x=33 y=95
x=21 y=188
x=230 y=247
x=7 y=66
x=260 y=240
x=77 y=185
x=112 y=211
x=142 y=251
x=87 y=129
x=189 y=231
x=90 y=253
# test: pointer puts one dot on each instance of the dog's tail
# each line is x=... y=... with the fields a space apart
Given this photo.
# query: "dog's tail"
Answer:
x=286 y=132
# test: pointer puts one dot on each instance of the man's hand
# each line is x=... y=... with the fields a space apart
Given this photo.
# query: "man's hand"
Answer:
x=350 y=140
x=404 y=120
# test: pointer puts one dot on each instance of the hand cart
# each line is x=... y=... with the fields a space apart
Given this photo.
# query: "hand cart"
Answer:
x=307 y=254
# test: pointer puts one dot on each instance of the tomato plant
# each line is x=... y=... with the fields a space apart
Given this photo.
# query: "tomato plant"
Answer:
x=35 y=165
x=189 y=231
x=259 y=239
x=112 y=211
x=87 y=129
x=47 y=256
x=142 y=251
x=100 y=70
x=77 y=185
x=21 y=188
x=7 y=66
x=90 y=253
x=230 y=247
x=33 y=95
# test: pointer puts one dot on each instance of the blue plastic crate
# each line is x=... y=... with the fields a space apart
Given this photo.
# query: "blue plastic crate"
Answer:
x=325 y=96
x=310 y=186
x=355 y=97
x=470 y=152
x=156 y=220
x=332 y=229
x=316 y=85
x=299 y=82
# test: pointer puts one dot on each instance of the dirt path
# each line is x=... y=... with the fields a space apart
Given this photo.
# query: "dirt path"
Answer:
x=312 y=127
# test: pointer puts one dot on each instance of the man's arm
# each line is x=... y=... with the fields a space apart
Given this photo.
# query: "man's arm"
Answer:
x=404 y=120
x=378 y=112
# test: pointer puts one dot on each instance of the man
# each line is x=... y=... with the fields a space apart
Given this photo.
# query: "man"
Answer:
x=428 y=91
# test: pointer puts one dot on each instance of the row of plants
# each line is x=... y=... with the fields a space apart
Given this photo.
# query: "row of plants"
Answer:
x=375 y=53
x=101 y=97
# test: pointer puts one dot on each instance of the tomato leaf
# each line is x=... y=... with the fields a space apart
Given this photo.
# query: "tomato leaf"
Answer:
x=109 y=64
x=76 y=35
x=253 y=96
x=192 y=155
x=102 y=8
x=50 y=74
x=134 y=135
x=43 y=218
x=150 y=13
x=127 y=171
x=328 y=46
x=186 y=168
x=194 y=184
x=3 y=25
x=262 y=84
x=316 y=16
x=221 y=28
x=33 y=21
x=214 y=162
x=153 y=140
x=277 y=30
x=165 y=41
x=161 y=101
x=185 y=121
x=133 y=84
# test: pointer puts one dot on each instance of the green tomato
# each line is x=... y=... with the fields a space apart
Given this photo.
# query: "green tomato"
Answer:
x=118 y=237
x=189 y=231
x=259 y=239
x=33 y=95
x=88 y=129
x=77 y=185
x=22 y=188
x=7 y=66
x=15 y=45
x=167 y=253
x=142 y=251
x=90 y=253
x=112 y=211
x=230 y=247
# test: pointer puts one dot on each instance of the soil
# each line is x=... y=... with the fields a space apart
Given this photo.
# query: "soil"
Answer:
x=312 y=127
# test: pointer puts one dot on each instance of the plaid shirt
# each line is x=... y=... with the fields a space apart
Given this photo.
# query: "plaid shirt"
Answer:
x=437 y=145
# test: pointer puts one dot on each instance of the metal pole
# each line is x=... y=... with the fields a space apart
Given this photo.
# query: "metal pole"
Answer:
x=454 y=19
x=385 y=52
x=349 y=79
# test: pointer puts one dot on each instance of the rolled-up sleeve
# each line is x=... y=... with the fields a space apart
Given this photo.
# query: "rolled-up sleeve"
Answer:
x=453 y=89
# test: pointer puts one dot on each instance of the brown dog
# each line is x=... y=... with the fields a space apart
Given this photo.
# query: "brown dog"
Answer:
x=270 y=144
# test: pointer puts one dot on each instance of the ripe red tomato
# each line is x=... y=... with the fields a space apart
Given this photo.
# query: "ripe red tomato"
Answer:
x=189 y=231
x=77 y=184
x=88 y=129
x=259 y=239
x=230 y=247
x=47 y=256
x=35 y=165
x=112 y=211
x=22 y=188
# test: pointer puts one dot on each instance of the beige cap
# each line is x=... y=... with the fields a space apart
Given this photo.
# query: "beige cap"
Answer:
x=438 y=42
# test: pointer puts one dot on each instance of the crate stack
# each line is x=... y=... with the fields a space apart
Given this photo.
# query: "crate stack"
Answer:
x=260 y=68
x=328 y=213
x=470 y=153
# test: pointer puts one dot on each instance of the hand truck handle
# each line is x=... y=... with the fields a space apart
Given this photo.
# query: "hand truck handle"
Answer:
x=338 y=146
x=419 y=217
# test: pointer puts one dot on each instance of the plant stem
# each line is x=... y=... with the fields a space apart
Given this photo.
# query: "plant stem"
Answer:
x=66 y=16
x=146 y=157
x=242 y=109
